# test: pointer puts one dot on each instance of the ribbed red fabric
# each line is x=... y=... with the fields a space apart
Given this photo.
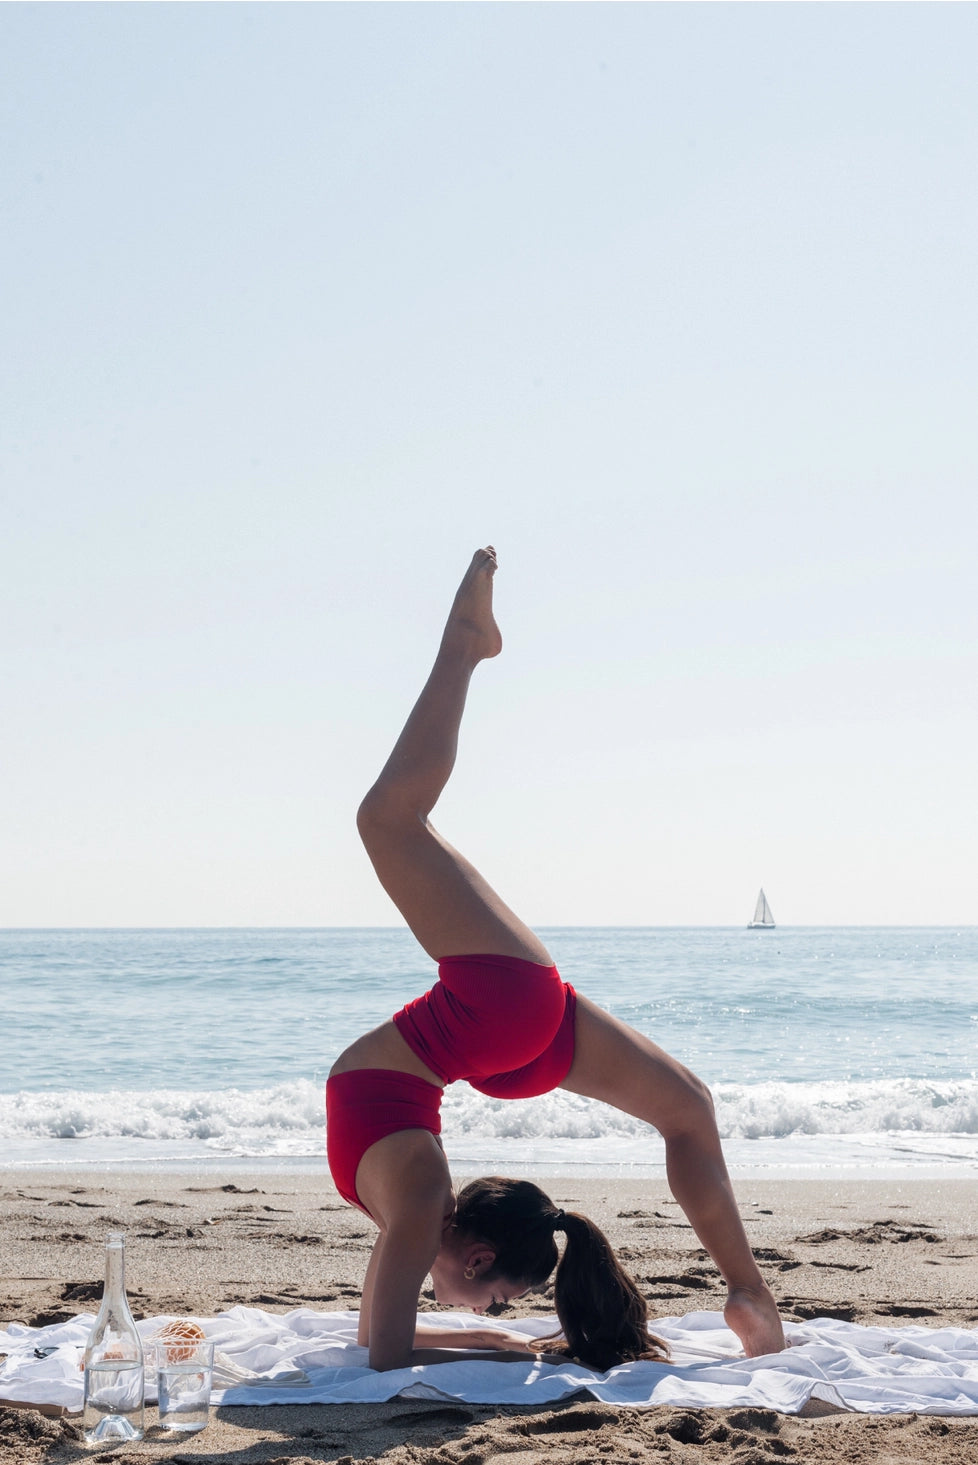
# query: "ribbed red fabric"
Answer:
x=364 y=1105
x=505 y=1025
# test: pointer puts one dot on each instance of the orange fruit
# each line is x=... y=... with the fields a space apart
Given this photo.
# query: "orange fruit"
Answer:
x=180 y=1330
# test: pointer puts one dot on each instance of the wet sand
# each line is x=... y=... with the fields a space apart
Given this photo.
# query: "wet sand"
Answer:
x=887 y=1252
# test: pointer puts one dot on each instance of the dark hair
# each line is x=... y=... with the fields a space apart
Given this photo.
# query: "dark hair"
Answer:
x=603 y=1316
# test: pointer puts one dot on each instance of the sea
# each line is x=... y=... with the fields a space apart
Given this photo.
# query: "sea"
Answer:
x=849 y=1052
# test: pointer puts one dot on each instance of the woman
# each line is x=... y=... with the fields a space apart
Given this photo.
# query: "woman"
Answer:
x=500 y=1017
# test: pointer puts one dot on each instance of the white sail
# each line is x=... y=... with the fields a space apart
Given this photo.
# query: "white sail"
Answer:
x=762 y=914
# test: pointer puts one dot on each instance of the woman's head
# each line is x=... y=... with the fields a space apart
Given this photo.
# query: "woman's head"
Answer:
x=503 y=1232
x=501 y=1243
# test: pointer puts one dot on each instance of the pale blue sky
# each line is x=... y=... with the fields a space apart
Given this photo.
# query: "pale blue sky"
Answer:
x=676 y=305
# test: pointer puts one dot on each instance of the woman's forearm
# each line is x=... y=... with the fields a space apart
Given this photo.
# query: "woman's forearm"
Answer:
x=487 y=1345
x=421 y=1356
x=499 y=1339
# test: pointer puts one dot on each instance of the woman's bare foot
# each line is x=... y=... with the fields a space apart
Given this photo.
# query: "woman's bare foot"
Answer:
x=752 y=1313
x=470 y=620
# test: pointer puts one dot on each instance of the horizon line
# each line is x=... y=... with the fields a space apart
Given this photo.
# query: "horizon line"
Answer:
x=547 y=926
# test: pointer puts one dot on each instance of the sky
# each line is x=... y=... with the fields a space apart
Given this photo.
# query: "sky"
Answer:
x=675 y=305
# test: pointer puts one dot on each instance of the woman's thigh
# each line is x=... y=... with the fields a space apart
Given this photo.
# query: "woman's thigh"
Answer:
x=621 y=1067
x=451 y=909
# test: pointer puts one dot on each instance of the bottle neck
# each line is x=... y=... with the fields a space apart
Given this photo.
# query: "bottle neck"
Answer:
x=114 y=1333
x=114 y=1292
x=115 y=1270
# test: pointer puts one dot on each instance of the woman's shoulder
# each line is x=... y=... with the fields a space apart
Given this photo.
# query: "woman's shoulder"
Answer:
x=404 y=1177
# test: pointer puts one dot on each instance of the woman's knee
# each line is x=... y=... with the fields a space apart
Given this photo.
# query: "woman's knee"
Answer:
x=373 y=822
x=367 y=814
x=377 y=811
x=698 y=1092
x=385 y=817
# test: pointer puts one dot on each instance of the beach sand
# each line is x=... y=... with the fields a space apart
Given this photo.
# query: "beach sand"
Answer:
x=886 y=1252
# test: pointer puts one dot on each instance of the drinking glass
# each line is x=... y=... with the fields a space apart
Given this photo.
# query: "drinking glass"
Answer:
x=184 y=1375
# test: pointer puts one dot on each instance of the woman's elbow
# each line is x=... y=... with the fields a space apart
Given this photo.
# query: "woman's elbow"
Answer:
x=384 y=1361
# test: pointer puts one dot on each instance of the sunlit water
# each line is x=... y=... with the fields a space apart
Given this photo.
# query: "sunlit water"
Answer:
x=852 y=1050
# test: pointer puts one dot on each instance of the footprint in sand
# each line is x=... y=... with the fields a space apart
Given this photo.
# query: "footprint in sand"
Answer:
x=872 y=1235
x=808 y=1310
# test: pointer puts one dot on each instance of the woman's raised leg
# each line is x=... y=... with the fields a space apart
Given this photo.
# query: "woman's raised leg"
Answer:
x=614 y=1063
x=448 y=905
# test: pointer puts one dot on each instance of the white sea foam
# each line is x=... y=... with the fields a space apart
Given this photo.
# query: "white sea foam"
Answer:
x=778 y=1110
x=744 y=1111
x=287 y=1120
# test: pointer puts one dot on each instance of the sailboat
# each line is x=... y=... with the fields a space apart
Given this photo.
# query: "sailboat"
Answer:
x=763 y=919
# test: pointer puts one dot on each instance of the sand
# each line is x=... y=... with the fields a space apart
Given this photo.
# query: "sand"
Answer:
x=878 y=1251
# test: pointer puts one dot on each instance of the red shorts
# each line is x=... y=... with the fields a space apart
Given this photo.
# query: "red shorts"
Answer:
x=503 y=1024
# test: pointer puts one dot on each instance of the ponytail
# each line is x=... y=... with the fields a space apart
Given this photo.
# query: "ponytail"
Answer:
x=603 y=1316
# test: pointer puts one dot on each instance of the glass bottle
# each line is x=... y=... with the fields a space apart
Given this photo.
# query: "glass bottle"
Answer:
x=113 y=1360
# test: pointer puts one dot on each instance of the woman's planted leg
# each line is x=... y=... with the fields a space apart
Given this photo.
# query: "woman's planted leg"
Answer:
x=448 y=905
x=614 y=1063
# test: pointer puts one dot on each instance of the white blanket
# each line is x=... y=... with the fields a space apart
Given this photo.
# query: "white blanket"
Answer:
x=306 y=1357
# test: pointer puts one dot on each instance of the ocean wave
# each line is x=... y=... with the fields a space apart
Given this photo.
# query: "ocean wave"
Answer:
x=288 y=1119
x=775 y=1110
x=891 y=1106
x=282 y=1119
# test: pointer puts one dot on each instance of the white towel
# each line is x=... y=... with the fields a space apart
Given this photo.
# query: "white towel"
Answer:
x=870 y=1370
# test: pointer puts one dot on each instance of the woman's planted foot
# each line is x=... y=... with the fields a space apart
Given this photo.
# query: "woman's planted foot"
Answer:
x=471 y=625
x=752 y=1313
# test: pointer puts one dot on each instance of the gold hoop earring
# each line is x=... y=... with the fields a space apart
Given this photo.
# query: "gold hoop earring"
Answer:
x=469 y=1274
